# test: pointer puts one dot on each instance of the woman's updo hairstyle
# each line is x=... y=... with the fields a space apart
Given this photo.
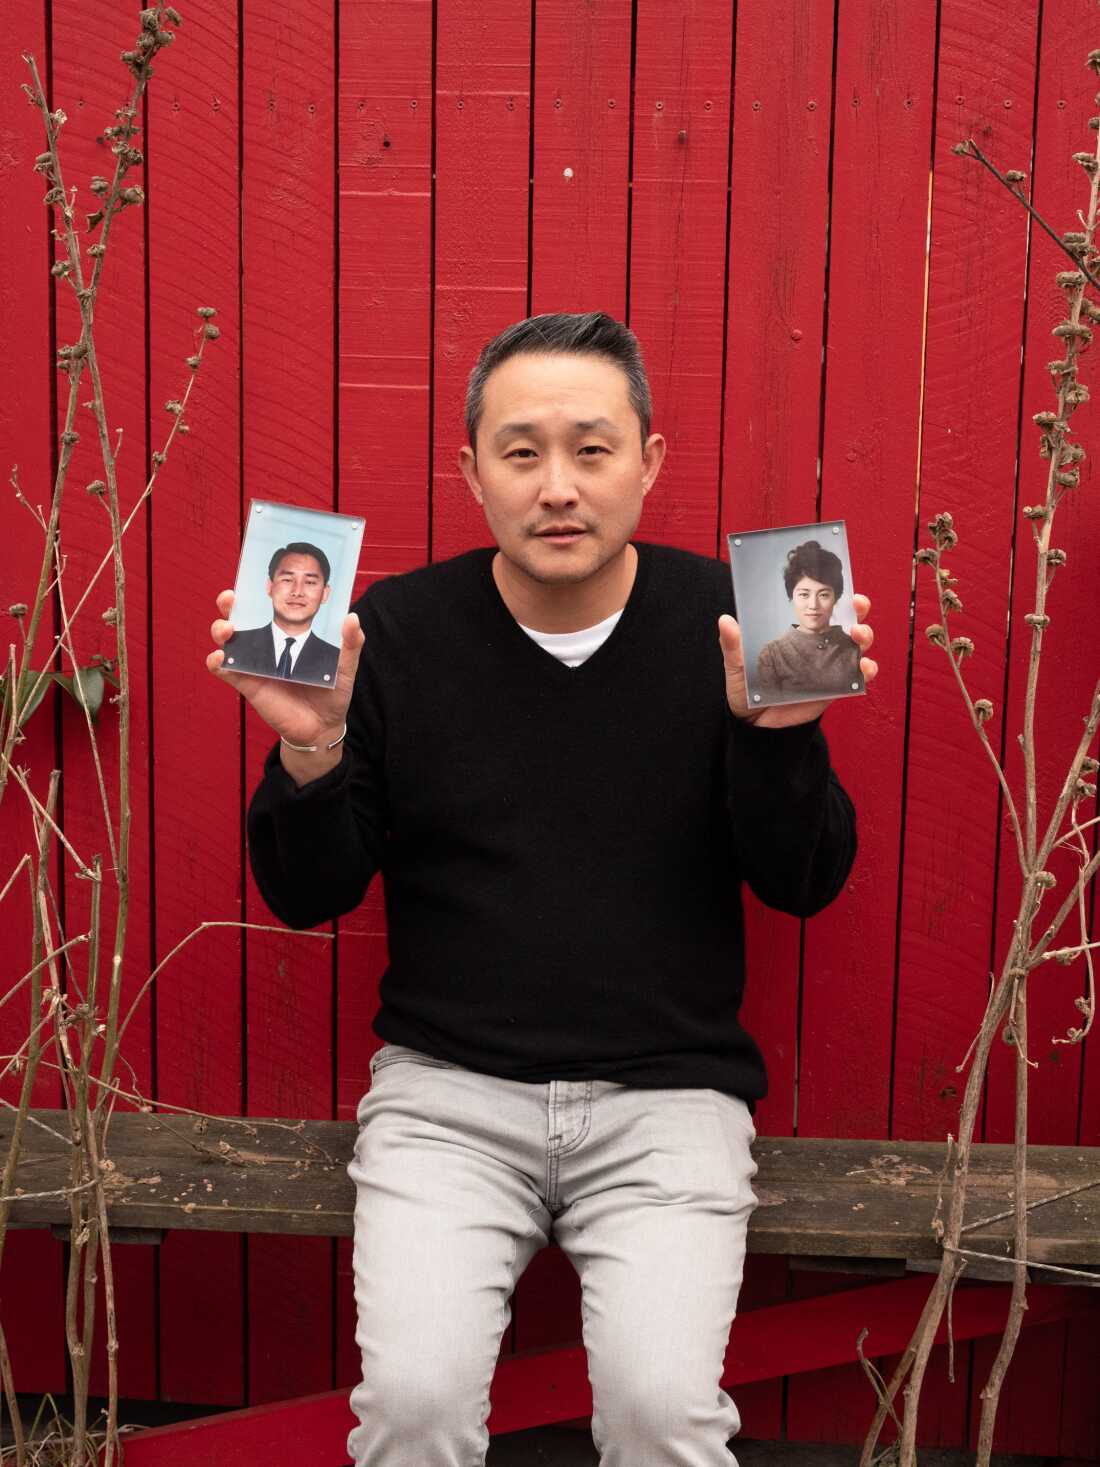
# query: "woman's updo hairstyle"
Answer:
x=813 y=560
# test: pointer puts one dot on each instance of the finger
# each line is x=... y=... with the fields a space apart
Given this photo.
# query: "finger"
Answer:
x=224 y=600
x=221 y=631
x=351 y=633
x=863 y=636
x=215 y=664
x=729 y=635
x=869 y=668
x=862 y=605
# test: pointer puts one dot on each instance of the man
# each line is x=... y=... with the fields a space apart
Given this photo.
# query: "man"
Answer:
x=549 y=753
x=298 y=584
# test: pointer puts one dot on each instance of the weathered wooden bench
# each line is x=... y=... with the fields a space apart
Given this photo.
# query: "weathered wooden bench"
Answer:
x=852 y=1206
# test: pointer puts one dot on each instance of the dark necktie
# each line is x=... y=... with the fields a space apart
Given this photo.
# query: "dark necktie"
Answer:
x=282 y=668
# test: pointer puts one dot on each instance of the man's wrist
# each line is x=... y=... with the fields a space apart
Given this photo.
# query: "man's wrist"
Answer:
x=304 y=768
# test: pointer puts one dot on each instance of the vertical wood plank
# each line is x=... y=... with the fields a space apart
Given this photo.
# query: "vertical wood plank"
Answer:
x=1071 y=655
x=678 y=252
x=89 y=83
x=481 y=247
x=581 y=122
x=288 y=202
x=384 y=373
x=31 y=1306
x=773 y=384
x=975 y=319
x=195 y=516
x=882 y=125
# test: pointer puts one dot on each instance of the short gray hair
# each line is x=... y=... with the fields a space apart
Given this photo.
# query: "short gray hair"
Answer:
x=591 y=333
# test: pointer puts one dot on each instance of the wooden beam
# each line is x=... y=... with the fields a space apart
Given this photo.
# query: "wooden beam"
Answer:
x=549 y=1386
x=824 y=1198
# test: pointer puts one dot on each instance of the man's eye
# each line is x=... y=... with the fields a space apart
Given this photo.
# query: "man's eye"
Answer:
x=516 y=451
x=594 y=447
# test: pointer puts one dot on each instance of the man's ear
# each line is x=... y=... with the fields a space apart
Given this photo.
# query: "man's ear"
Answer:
x=653 y=456
x=269 y=586
x=326 y=593
x=468 y=465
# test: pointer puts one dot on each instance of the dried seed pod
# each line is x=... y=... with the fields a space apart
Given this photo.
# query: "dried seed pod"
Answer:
x=1087 y=161
x=1044 y=446
x=173 y=15
x=1090 y=765
x=1061 y=366
x=1082 y=790
x=70 y=436
x=962 y=645
x=1072 y=453
x=1034 y=512
x=983 y=710
x=1068 y=478
x=1077 y=394
x=211 y=332
x=43 y=163
x=936 y=635
x=193 y=363
x=926 y=556
x=136 y=195
x=97 y=250
x=1071 y=331
x=110 y=616
x=97 y=486
x=99 y=185
x=18 y=609
x=206 y=312
x=1070 y=279
x=1093 y=60
x=1056 y=557
x=158 y=458
x=173 y=407
x=149 y=20
x=1033 y=619
x=1014 y=175
x=950 y=600
x=1045 y=879
x=962 y=150
x=60 y=269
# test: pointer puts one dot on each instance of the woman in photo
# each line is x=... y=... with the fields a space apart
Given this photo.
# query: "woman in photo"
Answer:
x=814 y=657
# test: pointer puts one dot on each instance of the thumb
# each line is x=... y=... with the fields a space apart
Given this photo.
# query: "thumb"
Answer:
x=729 y=636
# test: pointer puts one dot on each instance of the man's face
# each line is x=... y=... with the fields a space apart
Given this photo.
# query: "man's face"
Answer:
x=560 y=471
x=813 y=604
x=297 y=590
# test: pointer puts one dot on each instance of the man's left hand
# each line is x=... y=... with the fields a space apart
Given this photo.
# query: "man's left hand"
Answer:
x=785 y=715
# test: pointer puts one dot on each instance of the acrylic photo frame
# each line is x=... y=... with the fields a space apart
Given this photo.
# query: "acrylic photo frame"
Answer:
x=785 y=580
x=267 y=612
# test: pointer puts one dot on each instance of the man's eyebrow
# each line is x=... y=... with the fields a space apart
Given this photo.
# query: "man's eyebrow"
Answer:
x=585 y=425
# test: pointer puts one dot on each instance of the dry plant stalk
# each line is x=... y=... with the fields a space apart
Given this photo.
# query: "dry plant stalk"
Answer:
x=1034 y=929
x=73 y=986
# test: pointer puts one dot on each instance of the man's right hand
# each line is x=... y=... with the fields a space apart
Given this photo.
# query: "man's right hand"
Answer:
x=298 y=712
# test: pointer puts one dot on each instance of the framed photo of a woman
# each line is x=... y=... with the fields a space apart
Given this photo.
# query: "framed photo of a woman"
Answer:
x=793 y=589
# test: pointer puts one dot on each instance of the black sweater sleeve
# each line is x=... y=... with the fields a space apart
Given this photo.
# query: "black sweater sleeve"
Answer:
x=794 y=827
x=314 y=849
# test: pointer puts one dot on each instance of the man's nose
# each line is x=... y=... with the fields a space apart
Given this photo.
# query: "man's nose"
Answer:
x=558 y=485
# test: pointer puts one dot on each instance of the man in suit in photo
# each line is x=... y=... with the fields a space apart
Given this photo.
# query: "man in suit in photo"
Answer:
x=298 y=584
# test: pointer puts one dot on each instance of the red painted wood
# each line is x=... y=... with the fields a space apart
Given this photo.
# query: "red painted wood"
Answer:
x=288 y=115
x=385 y=156
x=481 y=246
x=975 y=317
x=581 y=122
x=30 y=1279
x=773 y=380
x=882 y=122
x=89 y=83
x=678 y=252
x=195 y=514
x=776 y=274
x=1064 y=102
x=549 y=1386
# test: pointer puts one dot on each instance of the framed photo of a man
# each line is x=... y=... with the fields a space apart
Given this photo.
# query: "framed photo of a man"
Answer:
x=293 y=590
x=793 y=589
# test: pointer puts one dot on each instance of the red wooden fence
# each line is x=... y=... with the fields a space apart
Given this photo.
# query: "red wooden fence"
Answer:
x=839 y=317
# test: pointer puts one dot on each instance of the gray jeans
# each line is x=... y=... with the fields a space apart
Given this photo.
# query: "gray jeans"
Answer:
x=462 y=1177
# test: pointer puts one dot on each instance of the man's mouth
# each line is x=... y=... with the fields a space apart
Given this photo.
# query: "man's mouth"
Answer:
x=561 y=534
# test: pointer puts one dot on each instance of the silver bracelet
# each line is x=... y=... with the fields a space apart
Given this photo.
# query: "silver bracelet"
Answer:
x=312 y=748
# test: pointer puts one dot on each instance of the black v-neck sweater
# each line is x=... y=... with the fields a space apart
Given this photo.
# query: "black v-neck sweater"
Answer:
x=562 y=847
